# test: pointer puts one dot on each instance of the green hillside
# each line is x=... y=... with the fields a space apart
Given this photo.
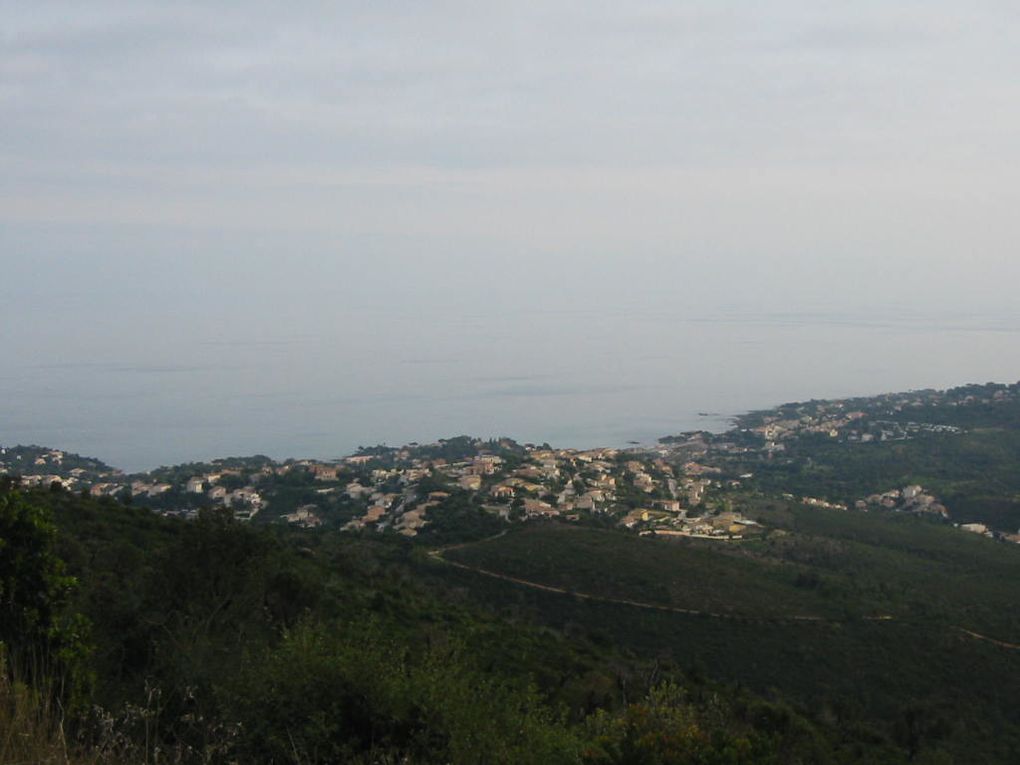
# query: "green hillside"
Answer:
x=502 y=630
x=963 y=444
x=160 y=640
x=937 y=590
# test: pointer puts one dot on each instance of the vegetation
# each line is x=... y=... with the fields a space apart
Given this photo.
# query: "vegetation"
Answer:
x=826 y=637
x=962 y=444
x=213 y=641
x=915 y=674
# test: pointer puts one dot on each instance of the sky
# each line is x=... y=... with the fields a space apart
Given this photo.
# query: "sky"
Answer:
x=359 y=193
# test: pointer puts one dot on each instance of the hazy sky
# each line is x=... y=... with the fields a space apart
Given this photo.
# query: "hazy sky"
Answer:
x=366 y=173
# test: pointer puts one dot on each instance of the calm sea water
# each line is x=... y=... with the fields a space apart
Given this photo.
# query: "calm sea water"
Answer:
x=140 y=389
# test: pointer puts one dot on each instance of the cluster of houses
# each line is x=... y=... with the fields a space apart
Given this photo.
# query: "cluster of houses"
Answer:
x=677 y=488
x=659 y=491
x=909 y=499
x=775 y=428
x=727 y=525
x=41 y=467
x=818 y=502
x=864 y=420
x=641 y=489
x=33 y=480
x=245 y=501
x=983 y=530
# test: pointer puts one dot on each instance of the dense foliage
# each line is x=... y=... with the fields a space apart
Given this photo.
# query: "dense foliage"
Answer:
x=894 y=625
x=213 y=641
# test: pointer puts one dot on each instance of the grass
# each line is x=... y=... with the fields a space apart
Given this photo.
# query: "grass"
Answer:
x=31 y=728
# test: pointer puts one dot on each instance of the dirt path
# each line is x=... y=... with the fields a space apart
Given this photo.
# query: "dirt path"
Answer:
x=796 y=619
x=993 y=641
x=438 y=555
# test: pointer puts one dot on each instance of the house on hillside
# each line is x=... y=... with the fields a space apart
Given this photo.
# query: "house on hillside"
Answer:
x=502 y=491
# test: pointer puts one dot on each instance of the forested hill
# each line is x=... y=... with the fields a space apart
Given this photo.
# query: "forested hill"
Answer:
x=215 y=640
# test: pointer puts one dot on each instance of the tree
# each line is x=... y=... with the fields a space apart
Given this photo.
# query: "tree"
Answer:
x=40 y=635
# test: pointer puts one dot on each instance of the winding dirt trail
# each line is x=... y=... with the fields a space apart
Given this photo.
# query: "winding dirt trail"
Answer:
x=438 y=555
x=793 y=619
x=993 y=641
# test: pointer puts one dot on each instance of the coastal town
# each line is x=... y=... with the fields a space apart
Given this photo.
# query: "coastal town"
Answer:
x=403 y=489
x=696 y=484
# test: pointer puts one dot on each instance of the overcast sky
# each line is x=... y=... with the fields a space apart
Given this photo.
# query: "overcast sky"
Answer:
x=875 y=131
x=285 y=166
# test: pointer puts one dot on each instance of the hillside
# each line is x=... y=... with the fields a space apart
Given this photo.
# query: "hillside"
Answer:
x=214 y=641
x=872 y=620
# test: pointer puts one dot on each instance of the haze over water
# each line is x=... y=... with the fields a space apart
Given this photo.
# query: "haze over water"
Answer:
x=299 y=230
x=155 y=361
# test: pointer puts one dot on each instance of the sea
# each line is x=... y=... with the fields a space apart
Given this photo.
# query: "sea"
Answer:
x=147 y=383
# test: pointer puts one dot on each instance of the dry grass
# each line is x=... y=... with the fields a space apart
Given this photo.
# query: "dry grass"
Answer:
x=30 y=729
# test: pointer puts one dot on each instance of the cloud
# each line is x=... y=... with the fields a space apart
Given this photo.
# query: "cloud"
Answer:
x=576 y=138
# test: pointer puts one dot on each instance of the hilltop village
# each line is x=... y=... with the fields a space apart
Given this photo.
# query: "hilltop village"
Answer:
x=695 y=484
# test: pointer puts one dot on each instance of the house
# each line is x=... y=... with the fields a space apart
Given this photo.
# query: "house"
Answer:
x=634 y=517
x=470 y=482
x=644 y=482
x=589 y=500
x=536 y=507
x=306 y=516
x=485 y=464
x=324 y=472
x=529 y=471
x=355 y=490
x=104 y=489
x=911 y=492
x=245 y=496
x=196 y=485
x=502 y=491
x=374 y=514
x=694 y=468
x=412 y=520
x=550 y=469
